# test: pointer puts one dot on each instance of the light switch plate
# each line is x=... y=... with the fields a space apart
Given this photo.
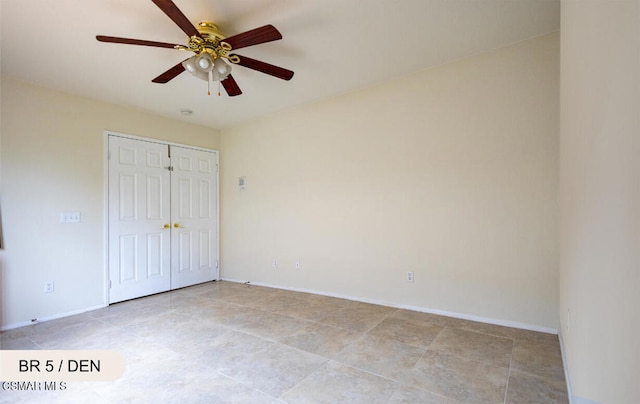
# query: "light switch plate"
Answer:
x=70 y=217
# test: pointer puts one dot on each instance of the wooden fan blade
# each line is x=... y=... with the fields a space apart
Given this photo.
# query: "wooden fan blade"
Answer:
x=255 y=36
x=266 y=68
x=129 y=41
x=169 y=74
x=231 y=87
x=173 y=12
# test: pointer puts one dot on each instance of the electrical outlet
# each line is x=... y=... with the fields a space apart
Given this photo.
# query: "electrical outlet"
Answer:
x=275 y=263
x=298 y=264
x=409 y=276
x=48 y=287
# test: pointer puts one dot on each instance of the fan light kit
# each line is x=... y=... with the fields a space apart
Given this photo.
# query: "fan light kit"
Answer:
x=210 y=48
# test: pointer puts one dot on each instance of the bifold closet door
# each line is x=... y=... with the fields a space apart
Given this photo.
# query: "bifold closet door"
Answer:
x=139 y=218
x=194 y=254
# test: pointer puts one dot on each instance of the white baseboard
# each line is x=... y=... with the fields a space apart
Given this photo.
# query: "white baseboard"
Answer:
x=572 y=399
x=580 y=400
x=505 y=323
x=565 y=368
x=487 y=320
x=53 y=317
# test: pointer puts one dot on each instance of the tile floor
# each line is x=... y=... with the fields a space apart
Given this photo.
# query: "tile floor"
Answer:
x=226 y=342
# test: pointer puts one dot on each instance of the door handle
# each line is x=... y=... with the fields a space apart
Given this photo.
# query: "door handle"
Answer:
x=166 y=226
x=176 y=225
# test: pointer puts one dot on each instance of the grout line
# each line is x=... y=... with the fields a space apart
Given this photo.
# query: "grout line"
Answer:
x=307 y=376
x=246 y=385
x=506 y=387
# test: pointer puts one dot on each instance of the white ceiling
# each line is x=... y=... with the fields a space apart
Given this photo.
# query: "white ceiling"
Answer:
x=333 y=46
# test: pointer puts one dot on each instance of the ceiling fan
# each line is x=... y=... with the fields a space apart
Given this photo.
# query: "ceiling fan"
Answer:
x=210 y=47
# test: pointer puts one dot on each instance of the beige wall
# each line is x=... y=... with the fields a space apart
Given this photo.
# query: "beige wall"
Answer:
x=450 y=173
x=52 y=161
x=600 y=194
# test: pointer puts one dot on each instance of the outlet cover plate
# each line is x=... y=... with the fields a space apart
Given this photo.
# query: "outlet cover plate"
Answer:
x=48 y=287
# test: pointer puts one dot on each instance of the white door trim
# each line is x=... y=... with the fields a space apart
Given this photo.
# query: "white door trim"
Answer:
x=105 y=181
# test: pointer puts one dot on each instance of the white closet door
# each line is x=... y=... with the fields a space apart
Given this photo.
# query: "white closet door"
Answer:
x=139 y=208
x=194 y=216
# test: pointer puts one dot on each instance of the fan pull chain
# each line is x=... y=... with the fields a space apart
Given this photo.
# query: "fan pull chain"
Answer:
x=218 y=89
x=209 y=82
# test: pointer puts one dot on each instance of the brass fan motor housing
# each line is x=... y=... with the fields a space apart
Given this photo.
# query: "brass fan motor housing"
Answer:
x=212 y=42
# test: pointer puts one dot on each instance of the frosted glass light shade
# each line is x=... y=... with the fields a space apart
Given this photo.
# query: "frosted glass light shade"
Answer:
x=204 y=62
x=201 y=65
x=222 y=68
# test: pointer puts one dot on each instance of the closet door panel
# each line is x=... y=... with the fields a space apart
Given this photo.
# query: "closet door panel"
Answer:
x=139 y=207
x=194 y=214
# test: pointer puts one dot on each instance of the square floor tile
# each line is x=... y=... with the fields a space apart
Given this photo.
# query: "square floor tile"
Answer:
x=338 y=383
x=543 y=360
x=381 y=356
x=274 y=326
x=474 y=346
x=273 y=370
x=411 y=395
x=356 y=318
x=528 y=388
x=405 y=331
x=321 y=339
x=459 y=378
